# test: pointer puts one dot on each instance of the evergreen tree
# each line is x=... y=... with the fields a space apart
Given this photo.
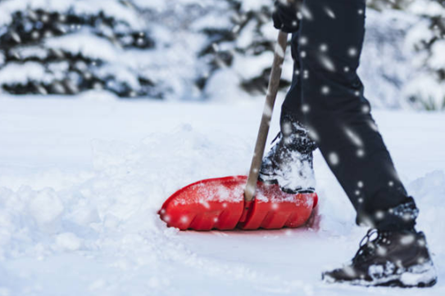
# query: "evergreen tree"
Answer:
x=427 y=38
x=243 y=48
x=66 y=47
x=194 y=49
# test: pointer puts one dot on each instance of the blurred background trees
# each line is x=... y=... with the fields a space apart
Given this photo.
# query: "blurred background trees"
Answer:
x=66 y=47
x=204 y=49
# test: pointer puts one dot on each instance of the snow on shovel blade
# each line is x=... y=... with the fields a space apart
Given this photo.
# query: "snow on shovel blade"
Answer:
x=219 y=204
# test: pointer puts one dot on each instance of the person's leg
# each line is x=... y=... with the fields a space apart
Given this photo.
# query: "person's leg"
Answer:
x=292 y=103
x=338 y=115
x=289 y=162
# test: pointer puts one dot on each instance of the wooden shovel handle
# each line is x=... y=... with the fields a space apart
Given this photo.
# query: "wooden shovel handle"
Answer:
x=263 y=132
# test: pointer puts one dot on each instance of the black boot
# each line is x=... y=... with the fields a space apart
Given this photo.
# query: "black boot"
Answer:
x=390 y=259
x=289 y=162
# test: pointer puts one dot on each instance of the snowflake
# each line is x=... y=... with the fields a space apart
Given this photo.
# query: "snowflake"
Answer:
x=299 y=15
x=380 y=215
x=407 y=239
x=352 y=52
x=35 y=35
x=327 y=63
x=333 y=158
x=329 y=12
x=366 y=109
x=45 y=18
x=325 y=90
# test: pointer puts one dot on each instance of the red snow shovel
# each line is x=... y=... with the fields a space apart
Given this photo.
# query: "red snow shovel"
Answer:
x=240 y=201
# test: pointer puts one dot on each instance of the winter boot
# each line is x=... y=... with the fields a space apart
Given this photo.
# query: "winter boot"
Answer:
x=389 y=259
x=289 y=162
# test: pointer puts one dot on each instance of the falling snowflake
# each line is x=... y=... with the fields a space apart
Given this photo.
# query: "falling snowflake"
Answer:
x=313 y=134
x=352 y=52
x=380 y=215
x=366 y=109
x=286 y=128
x=329 y=12
x=279 y=51
x=35 y=35
x=305 y=108
x=354 y=137
x=373 y=126
x=299 y=15
x=323 y=47
x=306 y=13
x=325 y=90
x=333 y=158
x=327 y=63
x=407 y=239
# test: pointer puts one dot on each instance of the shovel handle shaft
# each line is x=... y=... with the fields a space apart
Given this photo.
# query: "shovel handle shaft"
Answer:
x=274 y=83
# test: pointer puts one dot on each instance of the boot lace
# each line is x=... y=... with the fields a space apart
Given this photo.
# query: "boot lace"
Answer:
x=368 y=246
x=278 y=136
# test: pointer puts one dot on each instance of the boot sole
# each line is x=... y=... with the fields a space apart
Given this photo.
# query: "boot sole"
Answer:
x=421 y=276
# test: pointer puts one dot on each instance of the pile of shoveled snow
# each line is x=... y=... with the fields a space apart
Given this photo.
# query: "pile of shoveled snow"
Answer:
x=81 y=183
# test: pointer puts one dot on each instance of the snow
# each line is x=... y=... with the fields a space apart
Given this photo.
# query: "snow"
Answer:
x=110 y=8
x=21 y=73
x=437 y=60
x=81 y=182
x=86 y=44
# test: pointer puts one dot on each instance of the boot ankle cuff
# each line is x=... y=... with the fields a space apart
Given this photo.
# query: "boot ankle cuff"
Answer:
x=399 y=218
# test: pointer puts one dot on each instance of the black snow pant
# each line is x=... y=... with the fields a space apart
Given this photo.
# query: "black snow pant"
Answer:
x=327 y=97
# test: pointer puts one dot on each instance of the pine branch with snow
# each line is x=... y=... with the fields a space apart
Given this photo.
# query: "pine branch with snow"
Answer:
x=66 y=47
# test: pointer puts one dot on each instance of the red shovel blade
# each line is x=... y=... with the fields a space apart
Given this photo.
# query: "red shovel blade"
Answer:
x=219 y=204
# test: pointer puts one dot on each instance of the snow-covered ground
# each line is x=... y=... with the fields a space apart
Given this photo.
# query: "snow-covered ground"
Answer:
x=81 y=182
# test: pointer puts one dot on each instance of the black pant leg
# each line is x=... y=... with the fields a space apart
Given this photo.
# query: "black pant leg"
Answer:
x=338 y=115
x=293 y=100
